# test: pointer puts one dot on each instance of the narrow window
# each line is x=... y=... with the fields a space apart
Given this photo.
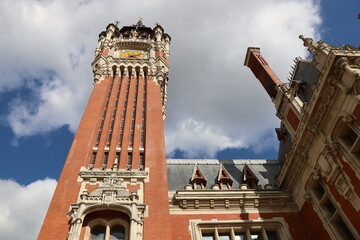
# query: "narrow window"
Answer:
x=272 y=235
x=224 y=237
x=98 y=232
x=117 y=233
x=98 y=136
x=343 y=229
x=93 y=158
x=142 y=137
x=106 y=155
x=141 y=159
x=110 y=136
x=208 y=237
x=129 y=159
x=240 y=236
x=318 y=190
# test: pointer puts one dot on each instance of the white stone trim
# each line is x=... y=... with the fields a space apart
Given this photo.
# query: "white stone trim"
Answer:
x=275 y=224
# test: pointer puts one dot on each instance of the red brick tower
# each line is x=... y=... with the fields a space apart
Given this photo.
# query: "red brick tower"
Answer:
x=114 y=183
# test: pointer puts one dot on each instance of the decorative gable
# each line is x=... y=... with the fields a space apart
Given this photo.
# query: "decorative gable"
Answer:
x=250 y=178
x=224 y=179
x=198 y=179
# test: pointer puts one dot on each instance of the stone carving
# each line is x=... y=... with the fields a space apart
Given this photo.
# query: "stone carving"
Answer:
x=111 y=193
x=348 y=118
x=295 y=162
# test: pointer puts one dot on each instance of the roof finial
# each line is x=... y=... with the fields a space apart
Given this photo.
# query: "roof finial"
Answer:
x=157 y=23
x=139 y=23
x=117 y=21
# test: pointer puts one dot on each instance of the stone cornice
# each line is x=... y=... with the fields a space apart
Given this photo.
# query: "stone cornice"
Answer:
x=231 y=199
x=95 y=175
x=141 y=44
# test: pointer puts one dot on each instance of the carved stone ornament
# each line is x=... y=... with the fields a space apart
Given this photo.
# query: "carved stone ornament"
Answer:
x=112 y=194
x=342 y=63
x=307 y=197
x=295 y=162
x=348 y=118
x=324 y=164
x=356 y=88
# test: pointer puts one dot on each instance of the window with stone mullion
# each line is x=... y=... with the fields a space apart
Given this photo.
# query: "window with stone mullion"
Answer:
x=246 y=234
x=100 y=232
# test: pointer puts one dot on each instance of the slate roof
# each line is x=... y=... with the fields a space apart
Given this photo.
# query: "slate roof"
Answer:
x=181 y=170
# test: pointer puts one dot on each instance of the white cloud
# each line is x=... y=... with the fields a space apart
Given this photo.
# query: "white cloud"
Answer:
x=54 y=108
x=199 y=139
x=23 y=208
x=209 y=86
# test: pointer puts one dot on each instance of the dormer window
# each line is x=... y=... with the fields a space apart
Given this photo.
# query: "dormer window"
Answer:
x=198 y=179
x=298 y=86
x=224 y=179
x=198 y=186
x=249 y=178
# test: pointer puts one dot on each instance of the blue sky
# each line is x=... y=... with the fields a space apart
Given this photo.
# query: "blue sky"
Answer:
x=216 y=108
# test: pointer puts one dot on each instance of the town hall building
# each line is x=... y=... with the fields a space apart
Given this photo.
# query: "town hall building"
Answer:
x=117 y=184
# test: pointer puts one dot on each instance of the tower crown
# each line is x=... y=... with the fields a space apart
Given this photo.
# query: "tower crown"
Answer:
x=135 y=49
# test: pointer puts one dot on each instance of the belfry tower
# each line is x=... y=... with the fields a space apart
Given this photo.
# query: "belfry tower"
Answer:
x=114 y=182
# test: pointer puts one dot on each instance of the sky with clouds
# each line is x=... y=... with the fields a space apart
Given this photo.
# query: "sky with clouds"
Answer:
x=216 y=107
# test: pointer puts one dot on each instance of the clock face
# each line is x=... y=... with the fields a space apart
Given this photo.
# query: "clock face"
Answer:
x=132 y=55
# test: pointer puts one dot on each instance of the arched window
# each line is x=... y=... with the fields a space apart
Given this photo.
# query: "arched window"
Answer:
x=98 y=232
x=117 y=232
x=106 y=225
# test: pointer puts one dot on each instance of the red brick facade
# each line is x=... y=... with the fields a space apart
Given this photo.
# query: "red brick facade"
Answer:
x=116 y=173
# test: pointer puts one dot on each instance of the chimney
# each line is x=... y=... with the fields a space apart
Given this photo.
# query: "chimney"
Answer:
x=262 y=71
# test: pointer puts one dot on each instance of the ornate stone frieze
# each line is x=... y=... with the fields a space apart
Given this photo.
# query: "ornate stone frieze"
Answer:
x=232 y=199
x=99 y=174
x=111 y=194
x=303 y=139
